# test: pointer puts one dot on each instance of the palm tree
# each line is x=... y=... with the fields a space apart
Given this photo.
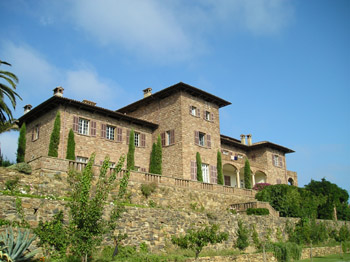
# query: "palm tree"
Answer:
x=12 y=80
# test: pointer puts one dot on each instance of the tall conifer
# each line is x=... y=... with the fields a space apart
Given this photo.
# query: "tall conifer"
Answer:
x=21 y=150
x=70 y=146
x=199 y=167
x=158 y=157
x=55 y=136
x=219 y=169
x=130 y=162
x=152 y=160
x=247 y=175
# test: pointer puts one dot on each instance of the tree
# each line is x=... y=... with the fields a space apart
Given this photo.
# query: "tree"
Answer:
x=130 y=162
x=158 y=157
x=242 y=236
x=12 y=80
x=55 y=136
x=197 y=239
x=219 y=169
x=8 y=126
x=199 y=167
x=88 y=224
x=21 y=150
x=152 y=163
x=247 y=175
x=70 y=146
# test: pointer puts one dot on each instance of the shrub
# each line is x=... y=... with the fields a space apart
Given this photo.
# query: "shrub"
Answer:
x=284 y=252
x=70 y=146
x=55 y=136
x=260 y=186
x=258 y=211
x=12 y=184
x=22 y=167
x=21 y=150
x=247 y=175
x=130 y=160
x=242 y=236
x=148 y=189
x=232 y=211
x=199 y=167
x=219 y=169
x=344 y=233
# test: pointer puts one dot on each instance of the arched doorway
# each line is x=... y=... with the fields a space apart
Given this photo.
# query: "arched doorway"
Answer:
x=291 y=181
x=260 y=177
x=230 y=175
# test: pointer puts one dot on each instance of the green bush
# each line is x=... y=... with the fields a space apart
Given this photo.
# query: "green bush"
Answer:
x=258 y=211
x=70 y=146
x=199 y=167
x=344 y=233
x=242 y=236
x=247 y=175
x=130 y=158
x=219 y=169
x=22 y=167
x=285 y=252
x=55 y=136
x=12 y=184
x=21 y=150
x=148 y=189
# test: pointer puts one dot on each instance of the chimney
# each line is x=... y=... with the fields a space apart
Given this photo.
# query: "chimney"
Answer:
x=243 y=139
x=89 y=102
x=249 y=137
x=58 y=91
x=147 y=92
x=27 y=108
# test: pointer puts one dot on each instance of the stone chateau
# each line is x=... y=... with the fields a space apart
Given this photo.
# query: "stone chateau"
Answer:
x=186 y=118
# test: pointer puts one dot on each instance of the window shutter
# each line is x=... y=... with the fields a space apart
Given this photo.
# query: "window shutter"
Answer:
x=143 y=140
x=127 y=136
x=230 y=153
x=172 y=137
x=190 y=110
x=75 y=124
x=196 y=137
x=162 y=136
x=208 y=141
x=198 y=112
x=93 y=128
x=193 y=170
x=143 y=169
x=212 y=117
x=213 y=175
x=38 y=131
x=280 y=161
x=33 y=134
x=204 y=115
x=119 y=134
x=103 y=130
x=273 y=159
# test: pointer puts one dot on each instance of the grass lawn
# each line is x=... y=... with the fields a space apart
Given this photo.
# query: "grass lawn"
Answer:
x=330 y=258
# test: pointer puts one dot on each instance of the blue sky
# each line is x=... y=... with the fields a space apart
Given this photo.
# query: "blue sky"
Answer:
x=284 y=65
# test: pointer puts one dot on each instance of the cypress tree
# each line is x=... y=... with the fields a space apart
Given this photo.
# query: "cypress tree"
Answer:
x=130 y=162
x=21 y=150
x=55 y=136
x=152 y=160
x=219 y=169
x=158 y=157
x=247 y=175
x=70 y=146
x=199 y=167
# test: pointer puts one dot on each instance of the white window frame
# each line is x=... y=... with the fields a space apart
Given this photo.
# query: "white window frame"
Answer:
x=207 y=116
x=137 y=137
x=83 y=126
x=81 y=159
x=194 y=110
x=201 y=139
x=224 y=152
x=110 y=131
x=276 y=160
x=167 y=138
x=205 y=173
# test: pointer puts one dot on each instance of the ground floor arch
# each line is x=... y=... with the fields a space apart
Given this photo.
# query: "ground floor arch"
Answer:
x=291 y=181
x=260 y=177
x=230 y=175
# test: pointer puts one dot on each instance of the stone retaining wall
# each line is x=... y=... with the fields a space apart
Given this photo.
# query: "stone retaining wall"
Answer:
x=320 y=251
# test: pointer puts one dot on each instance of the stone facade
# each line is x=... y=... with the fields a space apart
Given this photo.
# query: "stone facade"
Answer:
x=186 y=118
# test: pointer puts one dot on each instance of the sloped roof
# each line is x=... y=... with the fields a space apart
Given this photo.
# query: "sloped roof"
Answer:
x=263 y=144
x=55 y=101
x=171 y=90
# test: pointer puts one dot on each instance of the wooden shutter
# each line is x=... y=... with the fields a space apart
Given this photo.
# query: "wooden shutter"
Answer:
x=193 y=170
x=196 y=137
x=119 y=134
x=38 y=130
x=162 y=136
x=212 y=117
x=143 y=140
x=103 y=130
x=143 y=169
x=280 y=161
x=213 y=175
x=33 y=134
x=172 y=137
x=208 y=141
x=127 y=136
x=204 y=115
x=75 y=124
x=190 y=110
x=273 y=159
x=198 y=112
x=93 y=128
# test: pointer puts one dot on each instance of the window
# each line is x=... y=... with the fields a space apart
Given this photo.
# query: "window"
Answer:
x=137 y=139
x=224 y=152
x=110 y=132
x=194 y=111
x=83 y=127
x=35 y=132
x=277 y=160
x=168 y=137
x=111 y=164
x=205 y=173
x=202 y=139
